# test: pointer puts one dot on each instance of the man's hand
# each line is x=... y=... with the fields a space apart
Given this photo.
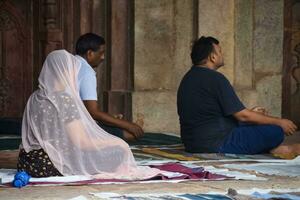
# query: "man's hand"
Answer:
x=288 y=126
x=135 y=129
x=249 y=116
x=132 y=128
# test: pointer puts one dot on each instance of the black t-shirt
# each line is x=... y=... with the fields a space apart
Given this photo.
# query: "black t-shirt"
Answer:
x=205 y=104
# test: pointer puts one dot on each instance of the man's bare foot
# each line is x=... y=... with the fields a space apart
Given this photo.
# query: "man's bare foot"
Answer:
x=286 y=151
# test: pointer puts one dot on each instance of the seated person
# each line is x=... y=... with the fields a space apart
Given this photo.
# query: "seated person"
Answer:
x=59 y=136
x=90 y=50
x=211 y=113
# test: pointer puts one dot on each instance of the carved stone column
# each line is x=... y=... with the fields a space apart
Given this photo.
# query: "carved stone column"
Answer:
x=120 y=81
x=54 y=22
x=15 y=60
x=291 y=62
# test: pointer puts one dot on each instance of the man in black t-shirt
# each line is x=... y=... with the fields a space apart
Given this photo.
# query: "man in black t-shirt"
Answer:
x=210 y=112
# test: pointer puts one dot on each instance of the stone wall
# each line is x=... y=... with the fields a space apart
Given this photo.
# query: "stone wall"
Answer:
x=250 y=32
x=259 y=53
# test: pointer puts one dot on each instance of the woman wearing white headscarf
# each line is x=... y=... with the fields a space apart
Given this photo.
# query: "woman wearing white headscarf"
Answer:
x=59 y=137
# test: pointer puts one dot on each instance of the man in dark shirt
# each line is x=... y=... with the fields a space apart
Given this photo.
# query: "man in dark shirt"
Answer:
x=210 y=112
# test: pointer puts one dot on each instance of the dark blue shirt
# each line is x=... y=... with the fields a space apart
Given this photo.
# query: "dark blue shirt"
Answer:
x=205 y=104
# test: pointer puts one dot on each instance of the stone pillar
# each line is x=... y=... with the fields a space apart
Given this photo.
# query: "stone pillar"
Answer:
x=268 y=54
x=216 y=18
x=243 y=50
x=163 y=35
x=244 y=80
x=15 y=58
x=119 y=72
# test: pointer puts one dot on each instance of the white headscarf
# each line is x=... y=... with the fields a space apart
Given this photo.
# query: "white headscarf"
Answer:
x=56 y=120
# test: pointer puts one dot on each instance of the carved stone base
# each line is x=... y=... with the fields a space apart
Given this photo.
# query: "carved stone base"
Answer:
x=118 y=102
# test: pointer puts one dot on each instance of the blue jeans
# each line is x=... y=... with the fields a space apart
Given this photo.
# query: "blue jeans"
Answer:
x=252 y=139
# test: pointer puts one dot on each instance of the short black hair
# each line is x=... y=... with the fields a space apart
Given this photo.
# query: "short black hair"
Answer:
x=88 y=41
x=202 y=48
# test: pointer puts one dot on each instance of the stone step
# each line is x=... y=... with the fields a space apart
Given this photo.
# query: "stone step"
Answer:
x=10 y=126
x=10 y=133
x=9 y=141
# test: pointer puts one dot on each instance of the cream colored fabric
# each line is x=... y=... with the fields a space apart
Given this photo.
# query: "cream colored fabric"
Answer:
x=56 y=120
